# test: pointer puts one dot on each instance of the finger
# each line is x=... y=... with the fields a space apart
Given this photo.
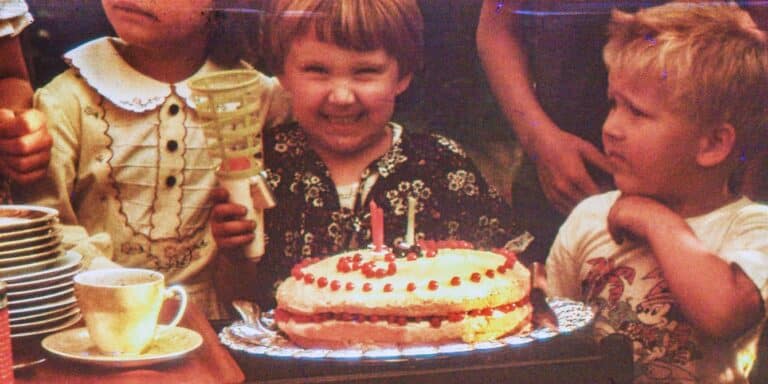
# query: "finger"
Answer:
x=219 y=195
x=7 y=118
x=232 y=227
x=39 y=141
x=562 y=196
x=558 y=200
x=25 y=178
x=581 y=181
x=24 y=124
x=28 y=163
x=226 y=212
x=234 y=241
x=597 y=158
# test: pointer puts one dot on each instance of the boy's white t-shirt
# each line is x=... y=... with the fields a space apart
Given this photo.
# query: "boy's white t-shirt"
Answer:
x=625 y=285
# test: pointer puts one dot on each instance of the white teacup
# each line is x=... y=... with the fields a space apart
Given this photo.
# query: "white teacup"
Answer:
x=121 y=307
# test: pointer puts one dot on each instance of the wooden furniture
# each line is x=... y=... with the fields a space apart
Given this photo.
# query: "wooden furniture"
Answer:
x=572 y=358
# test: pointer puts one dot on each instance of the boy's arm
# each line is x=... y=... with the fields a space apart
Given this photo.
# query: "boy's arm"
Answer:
x=560 y=157
x=717 y=297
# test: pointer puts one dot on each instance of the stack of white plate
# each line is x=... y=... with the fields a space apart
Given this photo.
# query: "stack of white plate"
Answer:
x=37 y=270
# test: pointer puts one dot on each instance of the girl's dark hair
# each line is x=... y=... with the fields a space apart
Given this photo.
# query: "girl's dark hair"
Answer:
x=235 y=31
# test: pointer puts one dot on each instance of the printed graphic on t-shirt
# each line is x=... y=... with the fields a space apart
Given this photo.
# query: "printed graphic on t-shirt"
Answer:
x=639 y=304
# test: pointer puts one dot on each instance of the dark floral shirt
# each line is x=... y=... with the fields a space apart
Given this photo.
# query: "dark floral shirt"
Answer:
x=453 y=201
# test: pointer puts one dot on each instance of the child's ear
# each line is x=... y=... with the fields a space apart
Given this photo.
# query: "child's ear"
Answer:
x=716 y=145
x=403 y=83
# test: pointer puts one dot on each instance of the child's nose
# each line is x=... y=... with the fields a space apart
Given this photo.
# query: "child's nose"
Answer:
x=341 y=93
x=612 y=128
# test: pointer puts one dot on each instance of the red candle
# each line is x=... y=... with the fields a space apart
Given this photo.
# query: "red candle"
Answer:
x=377 y=226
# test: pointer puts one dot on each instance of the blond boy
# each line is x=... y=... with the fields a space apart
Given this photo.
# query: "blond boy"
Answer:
x=676 y=259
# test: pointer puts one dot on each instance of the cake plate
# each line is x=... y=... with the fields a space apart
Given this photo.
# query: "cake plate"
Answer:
x=261 y=339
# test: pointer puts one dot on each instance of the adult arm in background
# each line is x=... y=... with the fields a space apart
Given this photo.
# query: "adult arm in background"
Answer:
x=560 y=157
x=25 y=145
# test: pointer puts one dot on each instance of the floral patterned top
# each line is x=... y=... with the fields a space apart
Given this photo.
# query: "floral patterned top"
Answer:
x=453 y=201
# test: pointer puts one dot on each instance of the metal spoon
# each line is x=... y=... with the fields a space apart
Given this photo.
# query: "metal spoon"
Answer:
x=251 y=315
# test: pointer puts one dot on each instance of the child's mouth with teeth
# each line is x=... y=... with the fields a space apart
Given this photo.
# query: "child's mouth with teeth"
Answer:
x=343 y=119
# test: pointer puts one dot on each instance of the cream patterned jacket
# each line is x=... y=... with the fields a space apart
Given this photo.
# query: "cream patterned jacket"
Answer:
x=129 y=160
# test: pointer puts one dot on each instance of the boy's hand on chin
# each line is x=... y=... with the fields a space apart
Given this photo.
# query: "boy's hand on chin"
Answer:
x=228 y=226
x=632 y=217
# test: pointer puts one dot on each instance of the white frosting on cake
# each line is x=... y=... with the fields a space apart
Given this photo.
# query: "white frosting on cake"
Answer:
x=367 y=297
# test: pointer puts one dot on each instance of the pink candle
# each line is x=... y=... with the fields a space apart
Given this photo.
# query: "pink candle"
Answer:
x=377 y=226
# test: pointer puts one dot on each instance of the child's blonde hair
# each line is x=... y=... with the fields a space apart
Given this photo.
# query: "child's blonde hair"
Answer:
x=710 y=59
x=359 y=25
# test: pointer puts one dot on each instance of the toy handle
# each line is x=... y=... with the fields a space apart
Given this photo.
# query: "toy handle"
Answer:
x=240 y=193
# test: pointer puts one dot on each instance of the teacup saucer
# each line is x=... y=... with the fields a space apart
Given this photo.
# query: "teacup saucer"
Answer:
x=76 y=345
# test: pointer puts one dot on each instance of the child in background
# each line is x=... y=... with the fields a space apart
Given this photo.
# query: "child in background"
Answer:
x=344 y=62
x=676 y=259
x=130 y=158
x=25 y=145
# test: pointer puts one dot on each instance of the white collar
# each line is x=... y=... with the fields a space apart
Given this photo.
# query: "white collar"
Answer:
x=102 y=67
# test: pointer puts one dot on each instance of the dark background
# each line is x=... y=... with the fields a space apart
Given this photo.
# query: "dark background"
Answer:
x=449 y=96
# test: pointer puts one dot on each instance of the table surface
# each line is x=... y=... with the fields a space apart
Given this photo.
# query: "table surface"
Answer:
x=211 y=363
x=571 y=358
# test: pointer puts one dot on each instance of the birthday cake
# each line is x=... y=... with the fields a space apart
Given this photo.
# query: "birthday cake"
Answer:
x=436 y=293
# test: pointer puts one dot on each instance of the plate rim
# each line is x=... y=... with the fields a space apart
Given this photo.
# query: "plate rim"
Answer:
x=25 y=292
x=52 y=319
x=51 y=305
x=76 y=259
x=66 y=273
x=53 y=242
x=56 y=294
x=53 y=311
x=64 y=325
x=25 y=259
x=48 y=213
x=280 y=346
x=127 y=362
x=52 y=226
x=41 y=263
x=13 y=242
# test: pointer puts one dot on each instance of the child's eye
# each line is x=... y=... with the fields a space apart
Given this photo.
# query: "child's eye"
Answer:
x=636 y=111
x=315 y=69
x=367 y=71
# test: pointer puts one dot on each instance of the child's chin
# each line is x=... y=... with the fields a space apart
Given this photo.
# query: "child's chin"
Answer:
x=629 y=187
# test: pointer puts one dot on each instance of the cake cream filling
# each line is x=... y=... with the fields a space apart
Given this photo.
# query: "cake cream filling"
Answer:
x=284 y=316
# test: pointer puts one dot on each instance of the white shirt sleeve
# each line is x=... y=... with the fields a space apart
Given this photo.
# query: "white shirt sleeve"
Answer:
x=14 y=17
x=746 y=244
x=585 y=225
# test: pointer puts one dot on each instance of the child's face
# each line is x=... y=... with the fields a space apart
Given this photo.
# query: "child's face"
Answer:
x=154 y=23
x=342 y=99
x=652 y=148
